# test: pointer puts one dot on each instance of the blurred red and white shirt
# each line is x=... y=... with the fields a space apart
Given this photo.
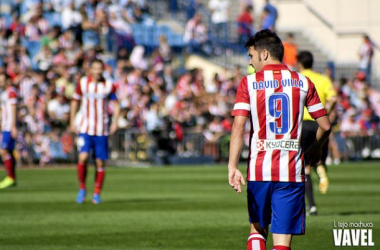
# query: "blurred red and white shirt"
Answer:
x=93 y=114
x=8 y=99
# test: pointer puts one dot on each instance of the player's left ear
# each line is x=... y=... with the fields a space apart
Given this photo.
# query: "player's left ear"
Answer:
x=265 y=54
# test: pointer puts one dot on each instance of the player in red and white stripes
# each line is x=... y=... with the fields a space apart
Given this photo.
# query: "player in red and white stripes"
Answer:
x=93 y=93
x=9 y=131
x=273 y=99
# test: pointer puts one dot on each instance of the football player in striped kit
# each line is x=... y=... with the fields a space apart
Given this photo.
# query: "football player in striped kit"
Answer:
x=92 y=95
x=9 y=99
x=273 y=99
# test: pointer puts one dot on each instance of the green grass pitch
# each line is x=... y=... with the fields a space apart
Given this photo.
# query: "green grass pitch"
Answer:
x=167 y=208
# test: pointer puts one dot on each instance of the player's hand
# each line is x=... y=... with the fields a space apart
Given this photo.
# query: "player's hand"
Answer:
x=113 y=128
x=236 y=179
x=14 y=132
x=73 y=128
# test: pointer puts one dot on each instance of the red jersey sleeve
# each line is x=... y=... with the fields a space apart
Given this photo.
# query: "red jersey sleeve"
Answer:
x=78 y=91
x=113 y=96
x=313 y=103
x=12 y=97
x=242 y=105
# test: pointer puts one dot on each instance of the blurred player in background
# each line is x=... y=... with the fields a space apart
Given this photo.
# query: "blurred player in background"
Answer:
x=327 y=95
x=290 y=52
x=274 y=99
x=93 y=93
x=9 y=129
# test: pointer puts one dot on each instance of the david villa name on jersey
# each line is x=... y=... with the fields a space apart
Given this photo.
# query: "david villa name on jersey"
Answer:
x=273 y=84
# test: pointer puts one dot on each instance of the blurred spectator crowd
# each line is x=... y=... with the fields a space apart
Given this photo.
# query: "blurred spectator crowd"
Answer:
x=47 y=45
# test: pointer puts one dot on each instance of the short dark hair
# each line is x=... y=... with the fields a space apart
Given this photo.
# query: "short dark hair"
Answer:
x=97 y=61
x=249 y=8
x=305 y=58
x=267 y=39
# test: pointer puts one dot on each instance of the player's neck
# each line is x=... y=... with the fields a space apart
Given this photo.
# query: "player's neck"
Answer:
x=271 y=62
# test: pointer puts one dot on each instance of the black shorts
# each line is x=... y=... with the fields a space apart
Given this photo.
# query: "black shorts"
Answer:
x=309 y=132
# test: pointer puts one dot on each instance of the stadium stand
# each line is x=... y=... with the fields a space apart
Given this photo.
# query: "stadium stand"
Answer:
x=169 y=112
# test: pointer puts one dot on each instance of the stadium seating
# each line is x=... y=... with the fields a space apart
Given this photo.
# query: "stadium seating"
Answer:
x=53 y=18
x=148 y=36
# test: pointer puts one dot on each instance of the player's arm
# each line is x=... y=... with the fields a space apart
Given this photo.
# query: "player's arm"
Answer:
x=317 y=112
x=116 y=110
x=73 y=110
x=235 y=177
x=330 y=105
x=241 y=113
x=331 y=96
x=14 y=131
x=74 y=105
x=13 y=102
x=115 y=117
x=323 y=132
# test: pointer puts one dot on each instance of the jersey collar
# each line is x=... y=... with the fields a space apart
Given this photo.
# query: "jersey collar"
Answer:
x=90 y=80
x=275 y=67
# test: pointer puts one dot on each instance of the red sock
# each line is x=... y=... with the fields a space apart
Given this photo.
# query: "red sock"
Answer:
x=82 y=173
x=99 y=179
x=278 y=247
x=9 y=165
x=256 y=242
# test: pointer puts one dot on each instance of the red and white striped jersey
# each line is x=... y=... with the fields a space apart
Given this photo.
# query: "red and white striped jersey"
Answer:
x=274 y=99
x=93 y=112
x=8 y=98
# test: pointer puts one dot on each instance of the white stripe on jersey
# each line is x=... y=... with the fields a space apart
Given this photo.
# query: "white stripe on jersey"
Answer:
x=284 y=156
x=315 y=107
x=268 y=76
x=303 y=94
x=289 y=91
x=284 y=166
x=299 y=166
x=255 y=125
x=92 y=110
x=267 y=172
x=242 y=105
x=99 y=110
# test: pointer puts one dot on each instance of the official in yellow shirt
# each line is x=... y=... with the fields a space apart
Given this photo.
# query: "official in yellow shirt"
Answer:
x=327 y=95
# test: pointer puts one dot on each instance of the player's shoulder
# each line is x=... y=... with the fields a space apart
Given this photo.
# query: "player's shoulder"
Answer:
x=83 y=79
x=12 y=91
x=308 y=83
x=255 y=76
x=111 y=81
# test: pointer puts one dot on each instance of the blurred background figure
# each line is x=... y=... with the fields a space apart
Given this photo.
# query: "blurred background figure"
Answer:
x=269 y=16
x=245 y=24
x=290 y=52
x=366 y=52
x=195 y=34
x=328 y=97
x=219 y=18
